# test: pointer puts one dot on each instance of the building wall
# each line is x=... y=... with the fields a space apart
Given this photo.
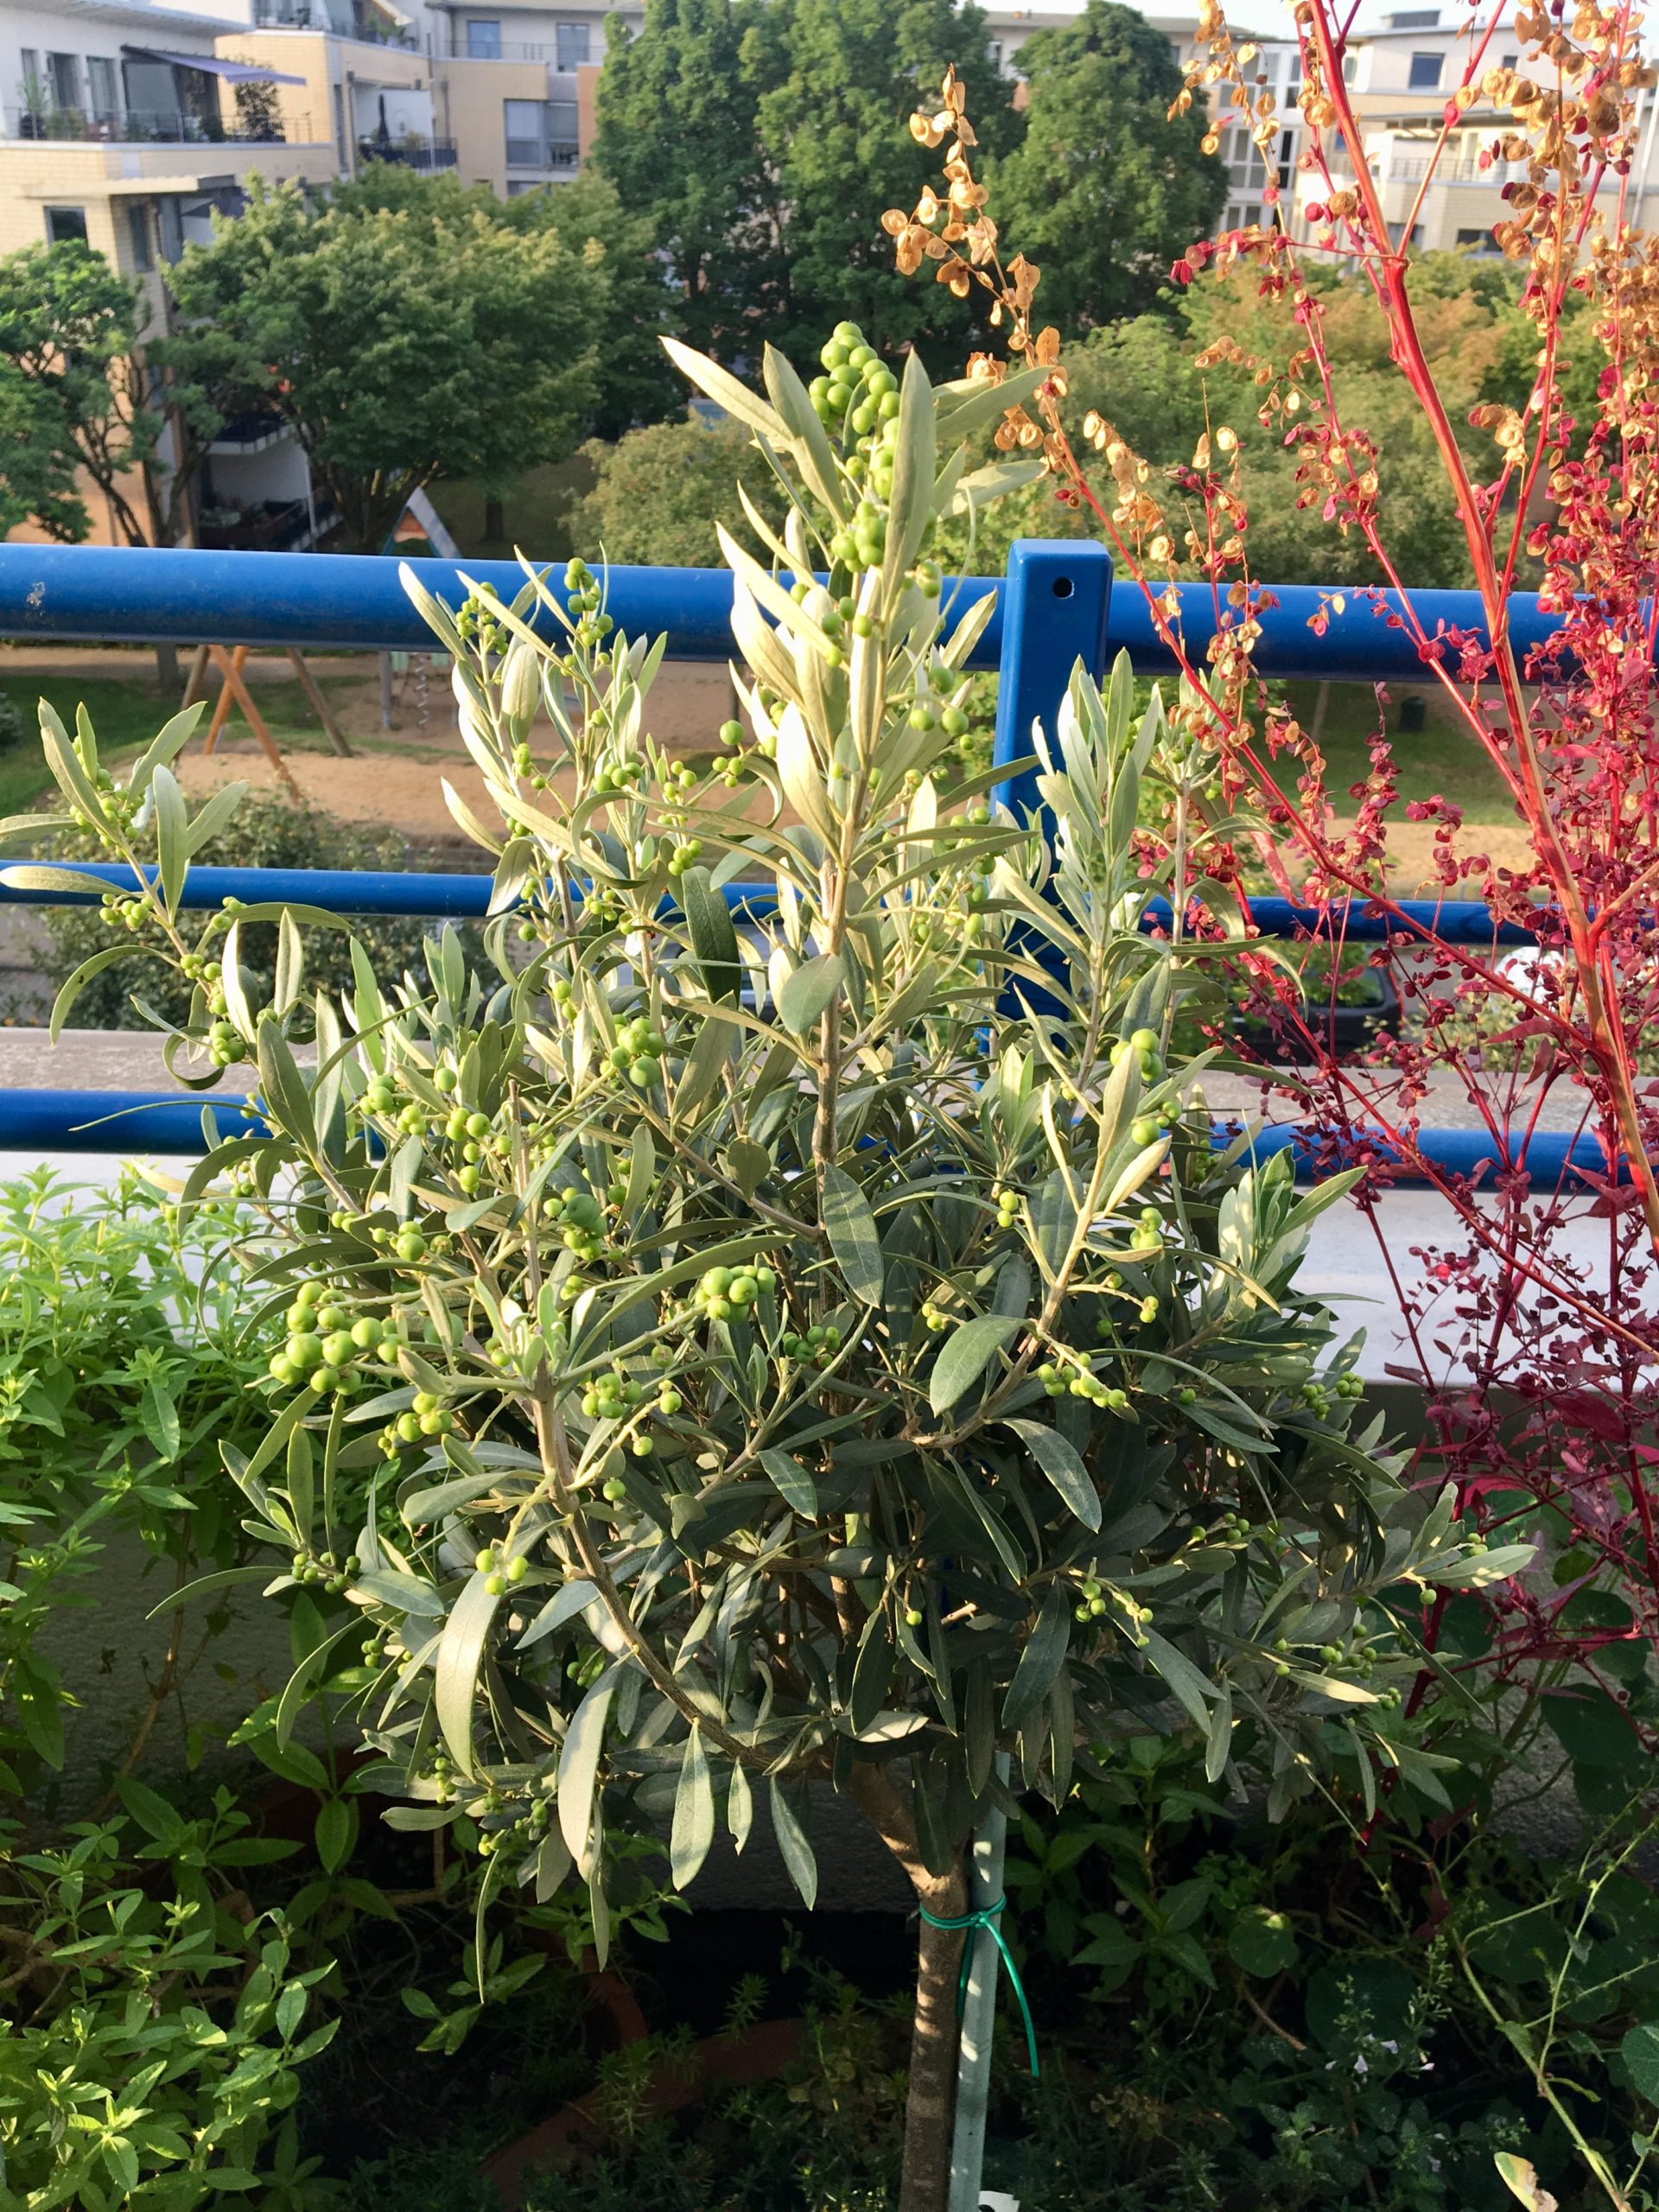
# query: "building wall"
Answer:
x=470 y=104
x=343 y=77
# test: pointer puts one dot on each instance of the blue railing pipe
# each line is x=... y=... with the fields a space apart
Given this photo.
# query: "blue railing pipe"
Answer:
x=355 y=603
x=467 y=897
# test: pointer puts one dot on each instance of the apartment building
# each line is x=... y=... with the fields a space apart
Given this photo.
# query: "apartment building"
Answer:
x=121 y=125
x=1399 y=77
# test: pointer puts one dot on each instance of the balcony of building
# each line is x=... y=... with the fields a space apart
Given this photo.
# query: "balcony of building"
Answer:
x=367 y=20
x=151 y=127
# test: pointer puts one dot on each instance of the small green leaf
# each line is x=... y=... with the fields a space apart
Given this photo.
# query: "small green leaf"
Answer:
x=713 y=938
x=1194 y=1690
x=792 y=1843
x=172 y=837
x=1262 y=1942
x=584 y=1740
x=807 y=991
x=63 y=1005
x=964 y=1356
x=460 y=1654
x=793 y=1484
x=694 y=1814
x=1640 y=2053
x=1061 y=1464
x=851 y=1229
x=1042 y=1657
x=335 y=1833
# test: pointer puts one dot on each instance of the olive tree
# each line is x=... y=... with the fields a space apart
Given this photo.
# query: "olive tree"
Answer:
x=738 y=1340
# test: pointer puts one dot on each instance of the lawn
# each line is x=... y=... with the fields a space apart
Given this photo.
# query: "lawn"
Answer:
x=1439 y=757
x=126 y=711
x=535 y=515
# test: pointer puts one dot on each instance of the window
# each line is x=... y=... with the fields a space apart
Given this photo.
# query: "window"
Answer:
x=996 y=53
x=526 y=132
x=1511 y=60
x=138 y=238
x=483 y=40
x=172 y=229
x=29 y=61
x=1350 y=67
x=1425 y=72
x=571 y=47
x=63 y=223
x=63 y=79
x=562 y=128
x=1481 y=241
x=100 y=85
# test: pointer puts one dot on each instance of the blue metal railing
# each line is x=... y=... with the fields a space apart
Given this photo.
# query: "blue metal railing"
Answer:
x=1055 y=606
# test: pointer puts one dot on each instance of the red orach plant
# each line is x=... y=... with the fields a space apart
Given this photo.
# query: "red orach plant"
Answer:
x=1555 y=1357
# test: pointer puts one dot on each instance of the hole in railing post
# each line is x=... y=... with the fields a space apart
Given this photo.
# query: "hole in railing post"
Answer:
x=1063 y=586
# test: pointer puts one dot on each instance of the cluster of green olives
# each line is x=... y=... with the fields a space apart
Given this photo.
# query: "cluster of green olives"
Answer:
x=1008 y=1205
x=583 y=602
x=1092 y=1605
x=1149 y=1045
x=582 y=1217
x=636 y=1052
x=1082 y=1381
x=816 y=1347
x=327 y=1571
x=1316 y=1395
x=685 y=855
x=524 y=764
x=327 y=1340
x=498 y=1573
x=857 y=389
x=427 y=1419
x=724 y=1294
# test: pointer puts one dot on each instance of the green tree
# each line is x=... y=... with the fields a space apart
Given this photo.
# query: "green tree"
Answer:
x=678 y=138
x=838 y=81
x=74 y=396
x=402 y=343
x=39 y=462
x=795 y=1357
x=1104 y=190
x=659 y=493
x=633 y=381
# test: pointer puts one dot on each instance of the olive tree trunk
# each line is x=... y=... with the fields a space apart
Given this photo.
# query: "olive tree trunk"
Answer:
x=928 y=2108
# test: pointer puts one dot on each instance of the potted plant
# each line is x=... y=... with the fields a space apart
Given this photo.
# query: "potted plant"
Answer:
x=726 y=1344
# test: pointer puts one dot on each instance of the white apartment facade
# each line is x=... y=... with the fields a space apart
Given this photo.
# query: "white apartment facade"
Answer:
x=1400 y=76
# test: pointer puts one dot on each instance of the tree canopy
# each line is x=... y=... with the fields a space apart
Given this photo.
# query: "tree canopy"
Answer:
x=71 y=397
x=1104 y=187
x=837 y=78
x=677 y=137
x=402 y=342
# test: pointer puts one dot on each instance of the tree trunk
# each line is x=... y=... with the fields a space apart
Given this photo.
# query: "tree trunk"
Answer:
x=924 y=2184
x=495 y=527
x=929 y=2104
x=167 y=666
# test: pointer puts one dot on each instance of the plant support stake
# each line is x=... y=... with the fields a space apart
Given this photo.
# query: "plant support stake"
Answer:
x=978 y=2008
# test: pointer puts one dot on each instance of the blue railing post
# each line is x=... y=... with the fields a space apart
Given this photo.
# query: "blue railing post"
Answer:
x=1054 y=607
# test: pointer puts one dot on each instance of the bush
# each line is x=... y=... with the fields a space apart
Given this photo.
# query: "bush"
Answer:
x=661 y=491
x=13 y=725
x=151 y=2023
x=267 y=832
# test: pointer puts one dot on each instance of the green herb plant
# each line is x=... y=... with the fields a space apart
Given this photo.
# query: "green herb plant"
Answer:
x=152 y=2024
x=742 y=1341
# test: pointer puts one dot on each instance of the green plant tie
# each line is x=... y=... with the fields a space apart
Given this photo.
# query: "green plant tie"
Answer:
x=970 y=1923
